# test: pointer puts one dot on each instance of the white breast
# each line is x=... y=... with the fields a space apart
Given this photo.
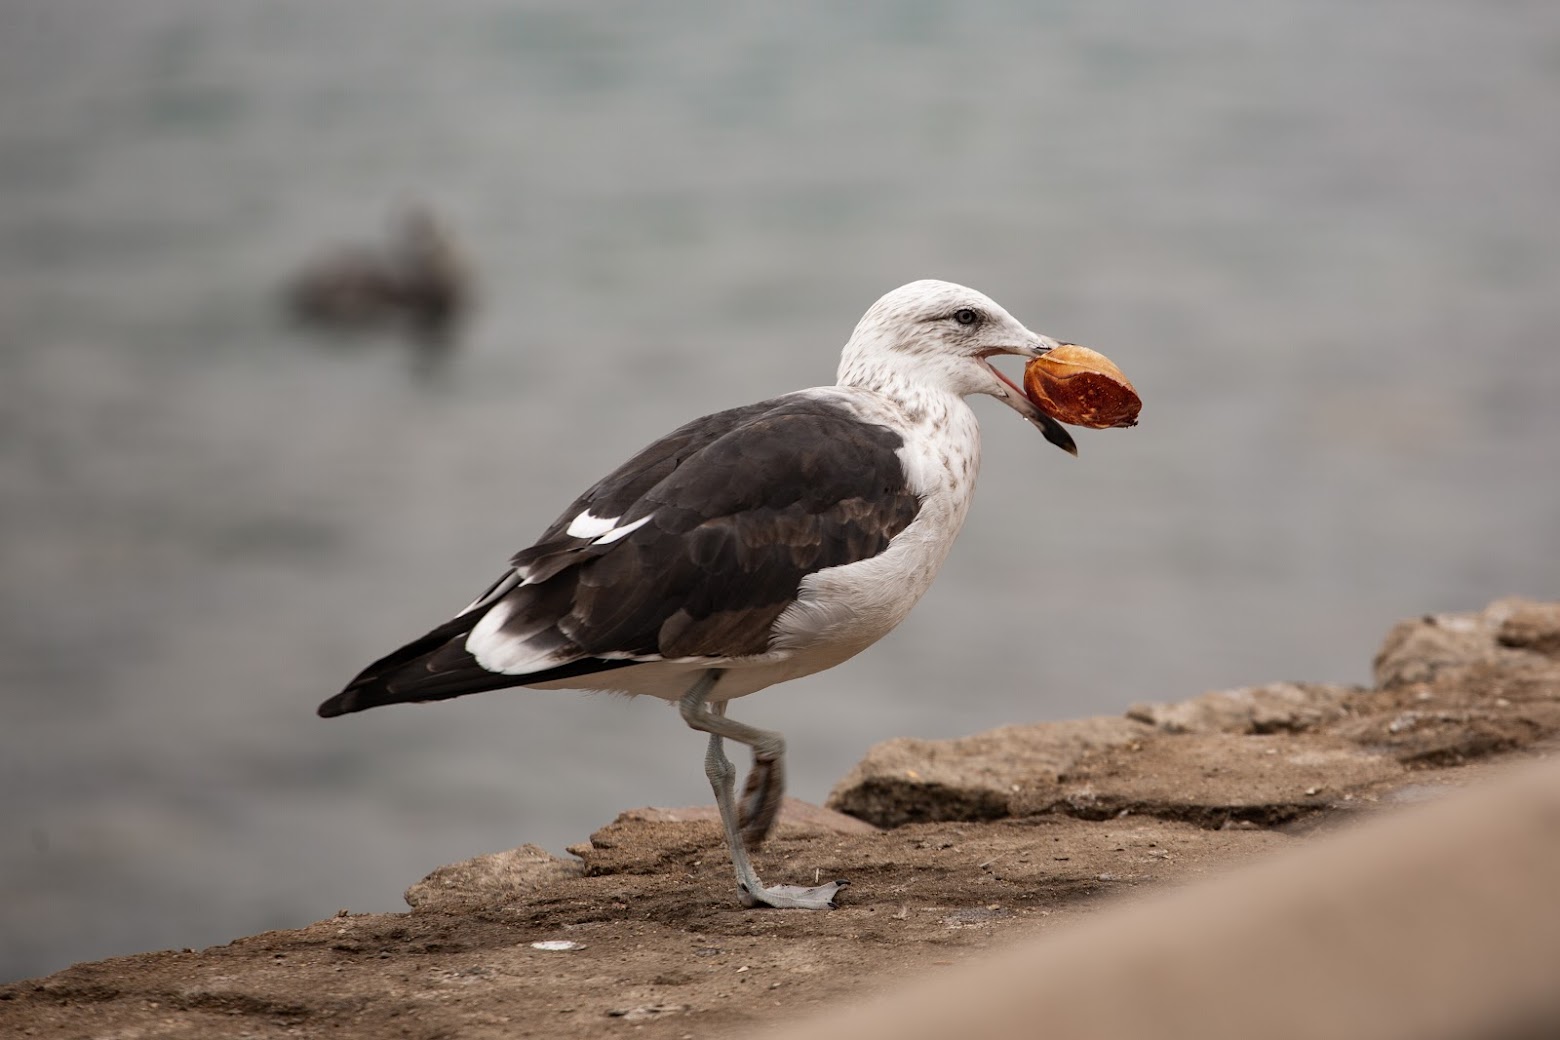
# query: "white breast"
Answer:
x=841 y=611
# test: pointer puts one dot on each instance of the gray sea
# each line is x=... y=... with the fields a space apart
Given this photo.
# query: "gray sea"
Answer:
x=1321 y=236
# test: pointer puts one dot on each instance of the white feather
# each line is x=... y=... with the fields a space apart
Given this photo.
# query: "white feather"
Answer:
x=622 y=532
x=587 y=525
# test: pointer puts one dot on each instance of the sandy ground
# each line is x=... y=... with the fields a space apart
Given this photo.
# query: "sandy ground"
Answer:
x=951 y=847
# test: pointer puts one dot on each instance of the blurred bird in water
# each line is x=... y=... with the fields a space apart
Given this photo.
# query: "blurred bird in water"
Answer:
x=418 y=284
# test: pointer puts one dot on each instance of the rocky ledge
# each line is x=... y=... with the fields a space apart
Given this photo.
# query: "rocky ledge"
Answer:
x=951 y=846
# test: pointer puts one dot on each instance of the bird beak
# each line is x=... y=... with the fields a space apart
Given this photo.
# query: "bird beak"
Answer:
x=1014 y=397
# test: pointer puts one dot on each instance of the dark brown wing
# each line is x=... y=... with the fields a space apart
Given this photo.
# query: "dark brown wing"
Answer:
x=713 y=529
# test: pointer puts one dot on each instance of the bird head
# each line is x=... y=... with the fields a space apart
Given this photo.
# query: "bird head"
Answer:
x=944 y=335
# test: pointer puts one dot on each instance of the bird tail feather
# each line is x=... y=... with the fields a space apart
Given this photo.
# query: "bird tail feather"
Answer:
x=438 y=667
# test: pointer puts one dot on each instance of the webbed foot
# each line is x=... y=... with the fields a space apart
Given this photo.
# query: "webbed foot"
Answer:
x=794 y=897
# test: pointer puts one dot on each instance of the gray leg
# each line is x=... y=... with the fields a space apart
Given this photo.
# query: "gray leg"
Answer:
x=770 y=746
x=759 y=807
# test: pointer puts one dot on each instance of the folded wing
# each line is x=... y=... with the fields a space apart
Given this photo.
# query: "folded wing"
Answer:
x=689 y=551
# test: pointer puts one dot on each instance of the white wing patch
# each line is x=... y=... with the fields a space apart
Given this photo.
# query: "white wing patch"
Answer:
x=587 y=525
x=622 y=532
x=510 y=652
x=507 y=653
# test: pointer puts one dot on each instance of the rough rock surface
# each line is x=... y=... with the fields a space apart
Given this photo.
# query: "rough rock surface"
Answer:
x=621 y=846
x=1010 y=831
x=972 y=778
x=1280 y=707
x=1512 y=634
x=483 y=879
x=1451 y=688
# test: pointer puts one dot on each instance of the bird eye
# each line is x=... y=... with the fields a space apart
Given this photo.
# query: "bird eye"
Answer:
x=965 y=316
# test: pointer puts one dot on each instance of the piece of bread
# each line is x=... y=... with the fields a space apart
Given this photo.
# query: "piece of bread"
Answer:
x=1081 y=387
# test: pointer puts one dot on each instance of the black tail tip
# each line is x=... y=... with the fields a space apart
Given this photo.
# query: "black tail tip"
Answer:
x=341 y=704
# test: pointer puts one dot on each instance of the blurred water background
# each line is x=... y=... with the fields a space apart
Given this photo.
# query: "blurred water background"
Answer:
x=1322 y=236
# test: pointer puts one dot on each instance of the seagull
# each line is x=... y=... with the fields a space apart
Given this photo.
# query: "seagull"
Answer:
x=746 y=548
